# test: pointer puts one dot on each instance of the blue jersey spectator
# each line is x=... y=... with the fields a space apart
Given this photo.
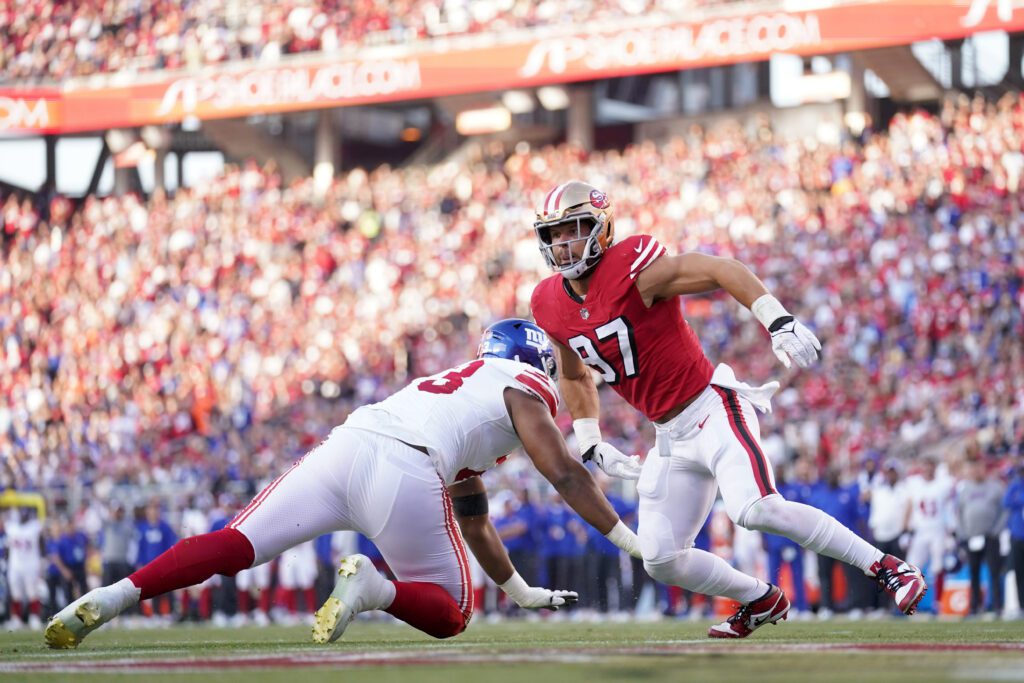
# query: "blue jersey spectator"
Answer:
x=783 y=551
x=843 y=503
x=1013 y=501
x=155 y=536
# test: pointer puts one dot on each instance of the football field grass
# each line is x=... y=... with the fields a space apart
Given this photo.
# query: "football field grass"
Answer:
x=836 y=651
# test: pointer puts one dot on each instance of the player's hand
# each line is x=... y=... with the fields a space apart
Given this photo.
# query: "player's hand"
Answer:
x=615 y=463
x=543 y=598
x=792 y=340
x=532 y=597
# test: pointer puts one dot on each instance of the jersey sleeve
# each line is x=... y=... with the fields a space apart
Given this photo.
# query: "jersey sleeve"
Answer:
x=638 y=253
x=539 y=385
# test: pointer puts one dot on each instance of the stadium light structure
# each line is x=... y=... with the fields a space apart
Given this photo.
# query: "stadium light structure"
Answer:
x=483 y=121
x=518 y=101
x=553 y=97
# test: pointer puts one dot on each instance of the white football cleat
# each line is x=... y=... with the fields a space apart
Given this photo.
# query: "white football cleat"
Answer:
x=72 y=624
x=358 y=589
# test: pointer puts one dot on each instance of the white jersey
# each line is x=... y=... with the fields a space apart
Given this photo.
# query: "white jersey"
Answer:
x=23 y=543
x=930 y=501
x=459 y=416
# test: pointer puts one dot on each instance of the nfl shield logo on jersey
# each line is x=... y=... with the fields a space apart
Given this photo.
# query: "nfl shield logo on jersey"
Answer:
x=584 y=313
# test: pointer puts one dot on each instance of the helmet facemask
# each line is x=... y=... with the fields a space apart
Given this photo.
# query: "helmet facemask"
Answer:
x=589 y=228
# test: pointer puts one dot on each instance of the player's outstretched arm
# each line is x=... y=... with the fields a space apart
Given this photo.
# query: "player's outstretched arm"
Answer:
x=694 y=273
x=577 y=384
x=545 y=446
x=469 y=499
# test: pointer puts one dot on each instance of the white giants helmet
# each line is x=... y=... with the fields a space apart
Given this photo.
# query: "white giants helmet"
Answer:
x=584 y=207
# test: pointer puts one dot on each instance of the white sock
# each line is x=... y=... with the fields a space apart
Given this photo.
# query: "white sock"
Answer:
x=386 y=596
x=124 y=594
x=702 y=572
x=811 y=528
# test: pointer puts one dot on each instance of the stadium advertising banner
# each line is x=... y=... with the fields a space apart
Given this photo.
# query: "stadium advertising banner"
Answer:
x=227 y=92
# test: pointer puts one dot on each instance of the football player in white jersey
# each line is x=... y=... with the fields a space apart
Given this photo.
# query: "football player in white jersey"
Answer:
x=403 y=472
x=930 y=521
x=24 y=567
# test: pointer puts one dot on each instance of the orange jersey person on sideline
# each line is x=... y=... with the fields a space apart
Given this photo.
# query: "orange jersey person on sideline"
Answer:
x=405 y=473
x=613 y=308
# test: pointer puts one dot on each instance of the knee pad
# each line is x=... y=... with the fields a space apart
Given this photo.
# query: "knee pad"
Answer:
x=670 y=569
x=657 y=540
x=764 y=514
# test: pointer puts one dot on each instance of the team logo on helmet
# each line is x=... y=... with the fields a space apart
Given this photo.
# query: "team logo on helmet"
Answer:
x=598 y=199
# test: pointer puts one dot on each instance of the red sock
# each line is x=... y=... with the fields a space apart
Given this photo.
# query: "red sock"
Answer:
x=289 y=599
x=940 y=583
x=429 y=608
x=36 y=607
x=186 y=603
x=16 y=609
x=244 y=602
x=310 y=599
x=193 y=560
x=265 y=600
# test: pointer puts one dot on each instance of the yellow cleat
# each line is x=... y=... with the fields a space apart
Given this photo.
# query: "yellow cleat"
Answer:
x=359 y=588
x=58 y=636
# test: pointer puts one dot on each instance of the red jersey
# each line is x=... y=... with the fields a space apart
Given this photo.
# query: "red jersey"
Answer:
x=650 y=356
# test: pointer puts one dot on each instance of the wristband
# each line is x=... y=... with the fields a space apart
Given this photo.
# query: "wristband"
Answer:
x=624 y=539
x=767 y=310
x=515 y=587
x=588 y=435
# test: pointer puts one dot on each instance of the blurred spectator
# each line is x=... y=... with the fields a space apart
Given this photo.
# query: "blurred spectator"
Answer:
x=155 y=536
x=117 y=545
x=47 y=40
x=73 y=548
x=890 y=509
x=602 y=566
x=839 y=500
x=1013 y=501
x=517 y=524
x=785 y=552
x=980 y=519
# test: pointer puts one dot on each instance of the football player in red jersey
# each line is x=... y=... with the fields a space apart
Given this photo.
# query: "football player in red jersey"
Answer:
x=613 y=308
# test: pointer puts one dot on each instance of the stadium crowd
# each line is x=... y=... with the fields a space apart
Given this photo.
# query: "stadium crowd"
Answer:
x=200 y=342
x=47 y=40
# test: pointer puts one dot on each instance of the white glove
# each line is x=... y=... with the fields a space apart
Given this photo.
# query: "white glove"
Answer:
x=794 y=340
x=625 y=539
x=614 y=462
x=531 y=597
x=790 y=338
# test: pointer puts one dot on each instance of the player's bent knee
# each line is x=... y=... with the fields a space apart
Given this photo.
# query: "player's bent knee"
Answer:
x=450 y=623
x=671 y=568
x=765 y=514
x=237 y=550
x=657 y=542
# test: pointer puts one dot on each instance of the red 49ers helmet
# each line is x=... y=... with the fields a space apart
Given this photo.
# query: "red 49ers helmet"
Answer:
x=588 y=210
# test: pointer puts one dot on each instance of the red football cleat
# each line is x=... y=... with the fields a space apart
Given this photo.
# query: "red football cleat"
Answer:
x=770 y=609
x=901 y=580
